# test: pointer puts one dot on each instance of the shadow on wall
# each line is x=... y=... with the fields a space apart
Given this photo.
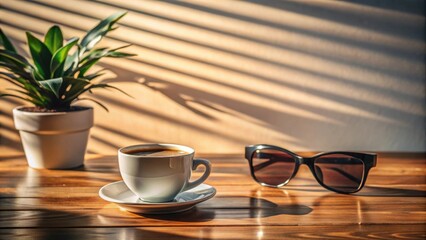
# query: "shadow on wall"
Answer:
x=309 y=70
x=8 y=130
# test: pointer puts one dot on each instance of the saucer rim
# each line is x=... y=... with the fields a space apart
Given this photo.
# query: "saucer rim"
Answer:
x=109 y=199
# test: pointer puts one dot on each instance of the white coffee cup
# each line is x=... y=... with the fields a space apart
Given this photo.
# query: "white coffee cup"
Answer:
x=158 y=172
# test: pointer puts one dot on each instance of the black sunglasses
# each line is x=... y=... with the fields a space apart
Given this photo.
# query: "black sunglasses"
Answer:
x=342 y=172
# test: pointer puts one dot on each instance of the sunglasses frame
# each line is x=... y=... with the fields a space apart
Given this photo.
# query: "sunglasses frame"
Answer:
x=369 y=161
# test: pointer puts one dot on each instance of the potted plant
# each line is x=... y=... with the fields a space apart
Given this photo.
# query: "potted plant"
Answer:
x=54 y=132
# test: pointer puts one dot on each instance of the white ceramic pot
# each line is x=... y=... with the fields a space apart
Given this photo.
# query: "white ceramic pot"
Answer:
x=54 y=140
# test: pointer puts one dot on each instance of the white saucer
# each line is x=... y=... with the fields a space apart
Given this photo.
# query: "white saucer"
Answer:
x=119 y=193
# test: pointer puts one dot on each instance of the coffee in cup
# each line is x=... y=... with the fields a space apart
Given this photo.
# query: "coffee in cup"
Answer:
x=157 y=152
x=158 y=172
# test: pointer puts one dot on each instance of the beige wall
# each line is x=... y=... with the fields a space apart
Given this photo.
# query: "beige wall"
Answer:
x=216 y=75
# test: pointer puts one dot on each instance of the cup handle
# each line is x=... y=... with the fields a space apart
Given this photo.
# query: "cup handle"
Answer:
x=195 y=164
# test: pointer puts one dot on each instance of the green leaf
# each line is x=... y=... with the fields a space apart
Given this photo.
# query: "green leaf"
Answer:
x=104 y=85
x=36 y=89
x=12 y=57
x=86 y=66
x=71 y=62
x=54 y=39
x=36 y=75
x=95 y=56
x=76 y=88
x=12 y=79
x=95 y=75
x=100 y=30
x=15 y=63
x=93 y=100
x=89 y=87
x=124 y=46
x=48 y=81
x=120 y=54
x=33 y=97
x=15 y=96
x=94 y=53
x=58 y=59
x=16 y=70
x=5 y=42
x=105 y=52
x=54 y=85
x=41 y=55
x=118 y=89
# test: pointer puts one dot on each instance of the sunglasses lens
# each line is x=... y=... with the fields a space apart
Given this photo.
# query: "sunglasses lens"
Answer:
x=272 y=167
x=340 y=172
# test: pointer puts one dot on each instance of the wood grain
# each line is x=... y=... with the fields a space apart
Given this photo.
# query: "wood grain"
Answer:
x=64 y=204
x=190 y=233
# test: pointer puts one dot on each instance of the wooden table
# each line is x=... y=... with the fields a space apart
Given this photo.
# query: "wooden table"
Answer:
x=58 y=204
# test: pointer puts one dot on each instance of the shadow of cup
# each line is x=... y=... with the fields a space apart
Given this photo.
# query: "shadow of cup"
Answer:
x=227 y=208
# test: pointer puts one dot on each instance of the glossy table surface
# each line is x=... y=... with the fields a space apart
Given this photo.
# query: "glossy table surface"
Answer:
x=64 y=204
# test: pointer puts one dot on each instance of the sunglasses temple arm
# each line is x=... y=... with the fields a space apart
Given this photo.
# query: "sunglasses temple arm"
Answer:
x=374 y=160
x=346 y=175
